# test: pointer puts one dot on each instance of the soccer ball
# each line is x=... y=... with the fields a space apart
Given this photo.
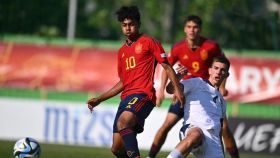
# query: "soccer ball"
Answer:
x=27 y=148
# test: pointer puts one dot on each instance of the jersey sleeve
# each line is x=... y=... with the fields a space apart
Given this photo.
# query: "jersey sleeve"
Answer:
x=158 y=51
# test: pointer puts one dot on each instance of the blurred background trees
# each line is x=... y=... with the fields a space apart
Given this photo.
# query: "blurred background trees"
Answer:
x=237 y=24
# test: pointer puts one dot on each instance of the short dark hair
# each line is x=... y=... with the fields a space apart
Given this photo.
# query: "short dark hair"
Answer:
x=128 y=12
x=221 y=59
x=196 y=19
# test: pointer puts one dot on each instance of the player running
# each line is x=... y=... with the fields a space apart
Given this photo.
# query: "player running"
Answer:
x=137 y=60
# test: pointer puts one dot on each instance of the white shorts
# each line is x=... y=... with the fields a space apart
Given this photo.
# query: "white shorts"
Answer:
x=211 y=143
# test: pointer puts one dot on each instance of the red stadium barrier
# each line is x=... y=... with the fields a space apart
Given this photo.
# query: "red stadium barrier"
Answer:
x=95 y=69
x=57 y=68
x=254 y=80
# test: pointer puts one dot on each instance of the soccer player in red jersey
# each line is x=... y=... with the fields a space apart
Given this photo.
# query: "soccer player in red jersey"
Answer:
x=194 y=54
x=137 y=60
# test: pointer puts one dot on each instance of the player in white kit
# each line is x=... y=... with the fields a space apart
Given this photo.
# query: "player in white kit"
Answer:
x=204 y=114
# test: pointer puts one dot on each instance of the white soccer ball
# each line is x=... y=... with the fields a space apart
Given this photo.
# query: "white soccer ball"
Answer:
x=27 y=148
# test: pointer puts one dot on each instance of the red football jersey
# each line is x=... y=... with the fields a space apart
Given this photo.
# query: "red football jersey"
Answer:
x=136 y=65
x=198 y=61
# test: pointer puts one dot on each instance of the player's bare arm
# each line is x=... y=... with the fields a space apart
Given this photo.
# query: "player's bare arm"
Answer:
x=160 y=93
x=93 y=102
x=181 y=71
x=178 y=93
x=229 y=140
x=223 y=89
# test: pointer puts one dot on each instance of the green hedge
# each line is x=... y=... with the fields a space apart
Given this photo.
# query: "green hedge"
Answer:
x=27 y=39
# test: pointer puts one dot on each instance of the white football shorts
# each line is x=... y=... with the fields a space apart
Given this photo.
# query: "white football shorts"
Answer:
x=211 y=144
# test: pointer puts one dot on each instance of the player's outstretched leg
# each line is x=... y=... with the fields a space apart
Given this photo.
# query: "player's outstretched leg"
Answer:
x=193 y=138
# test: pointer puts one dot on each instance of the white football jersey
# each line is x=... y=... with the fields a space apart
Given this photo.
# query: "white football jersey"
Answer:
x=205 y=106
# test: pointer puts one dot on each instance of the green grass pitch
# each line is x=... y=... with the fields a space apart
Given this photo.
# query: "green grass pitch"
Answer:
x=75 y=151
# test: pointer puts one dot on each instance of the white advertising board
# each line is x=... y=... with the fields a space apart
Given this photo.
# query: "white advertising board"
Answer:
x=72 y=123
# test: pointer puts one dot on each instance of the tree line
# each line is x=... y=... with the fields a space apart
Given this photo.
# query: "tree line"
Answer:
x=237 y=24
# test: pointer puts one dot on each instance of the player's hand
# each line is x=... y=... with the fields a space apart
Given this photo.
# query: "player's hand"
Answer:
x=181 y=70
x=223 y=91
x=179 y=96
x=160 y=98
x=93 y=102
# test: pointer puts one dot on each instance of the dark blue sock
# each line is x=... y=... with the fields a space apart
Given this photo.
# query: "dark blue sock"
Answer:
x=154 y=150
x=130 y=142
x=121 y=155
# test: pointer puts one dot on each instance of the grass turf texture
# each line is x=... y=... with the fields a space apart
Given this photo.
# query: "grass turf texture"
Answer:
x=72 y=151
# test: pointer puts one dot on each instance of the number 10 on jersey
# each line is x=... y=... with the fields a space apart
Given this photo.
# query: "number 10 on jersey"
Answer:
x=130 y=63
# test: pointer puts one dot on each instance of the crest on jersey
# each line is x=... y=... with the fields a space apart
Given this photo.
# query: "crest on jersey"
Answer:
x=203 y=54
x=122 y=55
x=185 y=56
x=138 y=48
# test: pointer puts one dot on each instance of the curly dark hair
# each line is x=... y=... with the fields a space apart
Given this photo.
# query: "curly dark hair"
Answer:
x=130 y=12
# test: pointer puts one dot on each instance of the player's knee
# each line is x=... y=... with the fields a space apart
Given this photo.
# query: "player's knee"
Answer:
x=127 y=120
x=195 y=137
x=121 y=124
